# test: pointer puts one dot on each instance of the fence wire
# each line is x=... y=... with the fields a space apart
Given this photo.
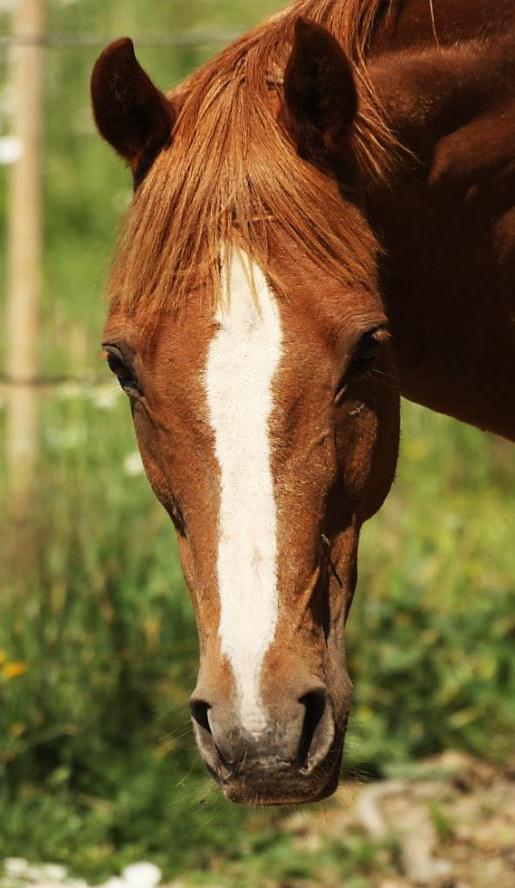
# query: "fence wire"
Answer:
x=61 y=380
x=178 y=40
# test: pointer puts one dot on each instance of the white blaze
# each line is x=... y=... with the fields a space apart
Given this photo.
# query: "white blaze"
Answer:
x=243 y=359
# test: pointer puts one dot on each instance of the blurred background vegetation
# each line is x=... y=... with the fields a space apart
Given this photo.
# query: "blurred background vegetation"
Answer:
x=97 y=639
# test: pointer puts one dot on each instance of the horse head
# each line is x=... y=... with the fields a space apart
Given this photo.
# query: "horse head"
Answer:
x=247 y=329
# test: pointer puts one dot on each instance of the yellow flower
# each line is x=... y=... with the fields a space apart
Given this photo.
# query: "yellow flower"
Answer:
x=17 y=729
x=14 y=669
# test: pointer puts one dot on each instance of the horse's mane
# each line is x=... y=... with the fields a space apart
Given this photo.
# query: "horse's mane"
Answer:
x=231 y=171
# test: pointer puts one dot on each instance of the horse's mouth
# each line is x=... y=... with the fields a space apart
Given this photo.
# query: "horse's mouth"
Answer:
x=280 y=783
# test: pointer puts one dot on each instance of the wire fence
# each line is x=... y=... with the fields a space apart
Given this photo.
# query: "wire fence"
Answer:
x=178 y=40
x=49 y=381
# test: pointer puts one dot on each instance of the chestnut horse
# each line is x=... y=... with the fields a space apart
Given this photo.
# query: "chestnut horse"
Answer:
x=322 y=222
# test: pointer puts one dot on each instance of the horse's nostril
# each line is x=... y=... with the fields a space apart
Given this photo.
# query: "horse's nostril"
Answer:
x=199 y=711
x=216 y=754
x=314 y=703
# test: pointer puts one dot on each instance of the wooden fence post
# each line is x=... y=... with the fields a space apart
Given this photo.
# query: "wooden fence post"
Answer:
x=24 y=244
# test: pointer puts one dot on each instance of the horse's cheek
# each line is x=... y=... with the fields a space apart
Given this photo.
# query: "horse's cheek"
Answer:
x=383 y=458
x=367 y=447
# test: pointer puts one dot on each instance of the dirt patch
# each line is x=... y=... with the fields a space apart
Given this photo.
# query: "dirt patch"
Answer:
x=448 y=822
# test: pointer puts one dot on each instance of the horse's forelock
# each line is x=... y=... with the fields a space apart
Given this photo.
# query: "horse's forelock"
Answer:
x=232 y=171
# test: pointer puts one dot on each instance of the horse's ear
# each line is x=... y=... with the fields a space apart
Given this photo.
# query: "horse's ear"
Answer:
x=320 y=94
x=132 y=115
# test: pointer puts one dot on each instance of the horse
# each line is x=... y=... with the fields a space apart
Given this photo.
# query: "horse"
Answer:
x=322 y=223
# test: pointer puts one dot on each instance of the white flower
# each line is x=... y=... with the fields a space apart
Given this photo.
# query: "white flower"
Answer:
x=133 y=465
x=54 y=872
x=106 y=396
x=16 y=866
x=11 y=149
x=141 y=875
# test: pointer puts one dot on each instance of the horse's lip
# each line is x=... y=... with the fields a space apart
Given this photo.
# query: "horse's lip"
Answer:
x=299 y=794
x=289 y=785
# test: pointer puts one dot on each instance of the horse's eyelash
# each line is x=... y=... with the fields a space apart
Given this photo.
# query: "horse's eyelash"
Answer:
x=381 y=335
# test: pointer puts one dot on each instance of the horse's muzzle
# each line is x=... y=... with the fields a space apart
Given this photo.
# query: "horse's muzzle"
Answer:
x=291 y=761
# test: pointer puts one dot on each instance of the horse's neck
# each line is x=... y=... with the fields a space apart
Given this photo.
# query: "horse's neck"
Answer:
x=413 y=23
x=448 y=229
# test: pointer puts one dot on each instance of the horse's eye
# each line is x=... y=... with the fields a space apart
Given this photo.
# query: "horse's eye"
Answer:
x=366 y=351
x=363 y=357
x=122 y=368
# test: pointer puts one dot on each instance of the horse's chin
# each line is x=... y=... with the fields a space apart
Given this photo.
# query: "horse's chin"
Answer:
x=287 y=787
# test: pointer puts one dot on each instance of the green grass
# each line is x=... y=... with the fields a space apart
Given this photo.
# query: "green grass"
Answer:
x=98 y=647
